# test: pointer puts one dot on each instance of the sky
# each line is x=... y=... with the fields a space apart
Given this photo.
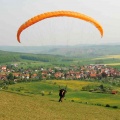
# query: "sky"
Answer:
x=59 y=30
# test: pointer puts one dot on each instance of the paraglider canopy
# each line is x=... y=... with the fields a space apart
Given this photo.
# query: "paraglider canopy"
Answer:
x=46 y=15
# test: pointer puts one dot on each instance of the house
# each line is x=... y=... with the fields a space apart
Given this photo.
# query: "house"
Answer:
x=16 y=74
x=15 y=65
x=44 y=72
x=78 y=76
x=34 y=75
x=4 y=68
x=93 y=75
x=58 y=75
x=114 y=92
x=27 y=76
x=3 y=77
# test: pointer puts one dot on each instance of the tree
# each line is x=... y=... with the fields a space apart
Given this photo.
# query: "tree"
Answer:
x=10 y=76
x=40 y=75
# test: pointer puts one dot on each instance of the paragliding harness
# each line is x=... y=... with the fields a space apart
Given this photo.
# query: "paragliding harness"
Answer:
x=62 y=93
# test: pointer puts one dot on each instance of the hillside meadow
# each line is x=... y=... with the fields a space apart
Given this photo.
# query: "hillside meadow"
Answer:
x=29 y=60
x=39 y=101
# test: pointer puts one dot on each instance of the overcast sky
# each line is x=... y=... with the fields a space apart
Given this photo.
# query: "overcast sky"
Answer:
x=60 y=30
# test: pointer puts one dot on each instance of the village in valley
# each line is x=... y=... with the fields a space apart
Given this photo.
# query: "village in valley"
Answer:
x=73 y=72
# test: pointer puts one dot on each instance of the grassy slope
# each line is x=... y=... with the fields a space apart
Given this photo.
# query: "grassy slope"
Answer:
x=18 y=107
x=74 y=91
x=28 y=104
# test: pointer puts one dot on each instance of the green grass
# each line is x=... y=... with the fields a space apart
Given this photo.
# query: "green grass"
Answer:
x=24 y=101
x=73 y=91
x=37 y=107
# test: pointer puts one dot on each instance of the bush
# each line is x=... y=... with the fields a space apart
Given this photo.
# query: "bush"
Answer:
x=99 y=104
x=5 y=87
x=107 y=105
x=115 y=107
x=72 y=101
x=43 y=93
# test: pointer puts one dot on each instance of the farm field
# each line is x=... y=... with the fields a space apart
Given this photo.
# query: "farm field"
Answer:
x=109 y=57
x=26 y=101
x=113 y=64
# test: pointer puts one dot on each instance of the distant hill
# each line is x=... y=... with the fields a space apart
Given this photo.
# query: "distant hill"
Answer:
x=69 y=51
x=6 y=56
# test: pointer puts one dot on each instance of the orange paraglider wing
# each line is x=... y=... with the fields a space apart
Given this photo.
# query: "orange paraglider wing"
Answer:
x=58 y=14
